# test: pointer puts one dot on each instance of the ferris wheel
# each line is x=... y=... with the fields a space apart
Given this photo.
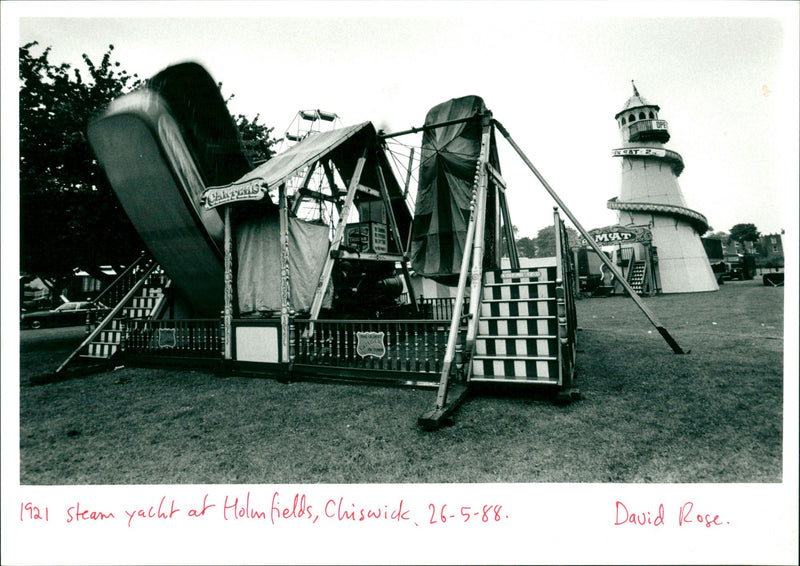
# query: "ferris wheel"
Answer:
x=308 y=122
x=304 y=124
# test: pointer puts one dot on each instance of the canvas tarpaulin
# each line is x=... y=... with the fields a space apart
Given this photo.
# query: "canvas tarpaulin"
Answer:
x=343 y=146
x=258 y=245
x=447 y=170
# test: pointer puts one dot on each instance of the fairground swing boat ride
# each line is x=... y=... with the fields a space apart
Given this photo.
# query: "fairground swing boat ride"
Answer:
x=309 y=265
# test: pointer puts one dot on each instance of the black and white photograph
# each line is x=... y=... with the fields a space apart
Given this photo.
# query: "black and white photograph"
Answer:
x=400 y=282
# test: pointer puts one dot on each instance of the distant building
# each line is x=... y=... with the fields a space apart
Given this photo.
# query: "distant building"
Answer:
x=771 y=250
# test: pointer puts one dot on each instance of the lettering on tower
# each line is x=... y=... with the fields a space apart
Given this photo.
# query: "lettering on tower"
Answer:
x=640 y=152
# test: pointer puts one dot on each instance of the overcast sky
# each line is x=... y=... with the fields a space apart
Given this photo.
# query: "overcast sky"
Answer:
x=725 y=76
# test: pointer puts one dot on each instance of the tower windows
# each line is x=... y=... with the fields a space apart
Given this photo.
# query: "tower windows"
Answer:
x=651 y=115
x=631 y=118
x=623 y=121
x=642 y=116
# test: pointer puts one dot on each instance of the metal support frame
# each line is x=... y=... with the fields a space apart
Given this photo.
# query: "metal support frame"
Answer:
x=301 y=191
x=513 y=253
x=227 y=316
x=636 y=299
x=387 y=203
x=561 y=304
x=285 y=276
x=476 y=283
x=327 y=268
x=385 y=136
x=473 y=253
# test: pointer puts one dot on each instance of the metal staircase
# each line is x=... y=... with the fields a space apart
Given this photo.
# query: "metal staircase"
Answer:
x=137 y=293
x=518 y=328
x=143 y=305
x=637 y=276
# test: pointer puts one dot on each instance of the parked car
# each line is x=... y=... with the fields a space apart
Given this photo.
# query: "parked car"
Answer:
x=68 y=314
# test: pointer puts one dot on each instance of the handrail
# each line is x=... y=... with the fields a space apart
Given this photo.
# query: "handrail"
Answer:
x=99 y=328
x=631 y=265
x=119 y=277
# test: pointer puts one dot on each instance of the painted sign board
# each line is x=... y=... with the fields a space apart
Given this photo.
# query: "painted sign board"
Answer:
x=640 y=152
x=254 y=189
x=525 y=273
x=619 y=235
x=166 y=338
x=370 y=344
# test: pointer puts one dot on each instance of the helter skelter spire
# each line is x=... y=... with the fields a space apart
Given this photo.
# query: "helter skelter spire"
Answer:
x=635 y=92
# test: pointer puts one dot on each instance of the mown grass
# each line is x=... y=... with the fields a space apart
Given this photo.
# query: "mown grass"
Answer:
x=647 y=414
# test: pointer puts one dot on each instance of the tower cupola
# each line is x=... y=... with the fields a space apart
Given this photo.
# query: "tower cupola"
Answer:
x=638 y=121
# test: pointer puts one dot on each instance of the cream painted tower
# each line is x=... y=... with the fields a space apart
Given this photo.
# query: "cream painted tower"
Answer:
x=650 y=196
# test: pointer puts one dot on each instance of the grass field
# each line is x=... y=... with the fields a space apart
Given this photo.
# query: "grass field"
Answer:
x=647 y=415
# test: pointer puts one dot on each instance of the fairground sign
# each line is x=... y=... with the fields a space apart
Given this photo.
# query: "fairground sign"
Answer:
x=530 y=274
x=640 y=152
x=254 y=189
x=166 y=338
x=619 y=235
x=370 y=344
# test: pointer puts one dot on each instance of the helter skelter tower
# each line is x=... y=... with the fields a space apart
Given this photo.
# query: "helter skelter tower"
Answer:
x=650 y=196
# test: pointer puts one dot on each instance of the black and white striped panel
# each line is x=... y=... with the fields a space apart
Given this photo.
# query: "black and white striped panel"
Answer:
x=143 y=302
x=521 y=307
x=110 y=335
x=132 y=312
x=101 y=350
x=519 y=369
x=543 y=290
x=523 y=347
x=530 y=326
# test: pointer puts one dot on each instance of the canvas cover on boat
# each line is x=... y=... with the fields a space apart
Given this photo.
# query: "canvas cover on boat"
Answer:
x=258 y=246
x=447 y=171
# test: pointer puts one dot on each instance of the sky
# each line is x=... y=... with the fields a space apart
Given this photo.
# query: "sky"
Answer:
x=724 y=74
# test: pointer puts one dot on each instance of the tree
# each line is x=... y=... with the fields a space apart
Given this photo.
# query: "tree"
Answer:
x=744 y=233
x=255 y=139
x=526 y=247
x=545 y=241
x=69 y=216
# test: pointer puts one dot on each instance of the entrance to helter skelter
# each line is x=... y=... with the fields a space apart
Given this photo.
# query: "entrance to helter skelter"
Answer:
x=630 y=249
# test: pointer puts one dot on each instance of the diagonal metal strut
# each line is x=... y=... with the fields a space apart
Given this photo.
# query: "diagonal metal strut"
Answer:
x=636 y=299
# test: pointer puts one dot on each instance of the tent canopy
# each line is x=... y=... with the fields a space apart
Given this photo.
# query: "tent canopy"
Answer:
x=343 y=146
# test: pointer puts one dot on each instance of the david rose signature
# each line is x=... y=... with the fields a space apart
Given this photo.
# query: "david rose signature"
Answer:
x=687 y=515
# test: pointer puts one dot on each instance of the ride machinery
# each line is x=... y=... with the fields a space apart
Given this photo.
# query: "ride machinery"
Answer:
x=306 y=266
